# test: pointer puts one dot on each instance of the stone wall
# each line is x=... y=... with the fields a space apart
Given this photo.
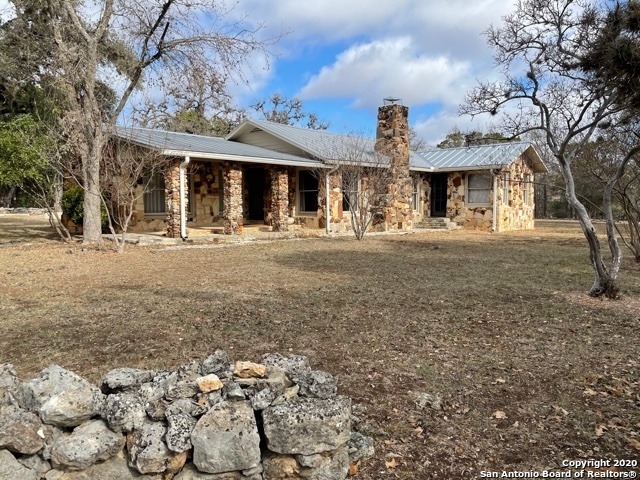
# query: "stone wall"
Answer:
x=279 y=198
x=233 y=198
x=211 y=419
x=207 y=190
x=172 y=198
x=392 y=140
x=514 y=213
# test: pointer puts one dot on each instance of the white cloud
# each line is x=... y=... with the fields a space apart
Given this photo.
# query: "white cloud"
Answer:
x=392 y=67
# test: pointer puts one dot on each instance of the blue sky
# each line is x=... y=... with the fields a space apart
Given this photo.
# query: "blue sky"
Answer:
x=342 y=57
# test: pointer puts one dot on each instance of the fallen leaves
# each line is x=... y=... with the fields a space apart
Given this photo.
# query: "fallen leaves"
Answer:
x=633 y=443
x=391 y=463
x=499 y=414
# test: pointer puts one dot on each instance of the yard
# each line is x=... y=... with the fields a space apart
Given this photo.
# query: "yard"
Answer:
x=529 y=370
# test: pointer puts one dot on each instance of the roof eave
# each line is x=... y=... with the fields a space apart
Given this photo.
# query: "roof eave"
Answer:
x=243 y=158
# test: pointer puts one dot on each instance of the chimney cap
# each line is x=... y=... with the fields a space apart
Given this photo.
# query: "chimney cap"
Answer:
x=392 y=101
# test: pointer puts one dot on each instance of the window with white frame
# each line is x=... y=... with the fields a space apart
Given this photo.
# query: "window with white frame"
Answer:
x=505 y=187
x=415 y=194
x=479 y=189
x=307 y=192
x=154 y=200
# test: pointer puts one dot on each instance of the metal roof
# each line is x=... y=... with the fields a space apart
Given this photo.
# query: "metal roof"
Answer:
x=318 y=143
x=477 y=157
x=201 y=146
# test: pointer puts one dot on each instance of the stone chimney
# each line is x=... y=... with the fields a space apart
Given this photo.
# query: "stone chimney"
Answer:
x=392 y=141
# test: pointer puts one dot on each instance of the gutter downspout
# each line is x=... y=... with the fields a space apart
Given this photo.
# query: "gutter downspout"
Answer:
x=327 y=211
x=495 y=202
x=183 y=203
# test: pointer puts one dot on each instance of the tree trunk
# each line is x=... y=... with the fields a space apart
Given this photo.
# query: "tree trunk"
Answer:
x=605 y=283
x=92 y=223
x=7 y=200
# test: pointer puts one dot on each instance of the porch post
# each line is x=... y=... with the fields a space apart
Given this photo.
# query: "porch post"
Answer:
x=172 y=198
x=279 y=198
x=232 y=198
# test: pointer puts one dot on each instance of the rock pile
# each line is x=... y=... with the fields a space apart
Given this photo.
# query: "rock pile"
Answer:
x=277 y=419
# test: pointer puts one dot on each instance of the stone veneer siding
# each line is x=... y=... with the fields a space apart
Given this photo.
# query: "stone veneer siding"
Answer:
x=279 y=204
x=512 y=214
x=392 y=140
x=172 y=198
x=232 y=191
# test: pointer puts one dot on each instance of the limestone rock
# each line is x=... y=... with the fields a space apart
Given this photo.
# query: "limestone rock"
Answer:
x=281 y=467
x=50 y=434
x=182 y=389
x=19 y=431
x=190 y=472
x=115 y=468
x=125 y=378
x=35 y=463
x=124 y=412
x=335 y=465
x=226 y=439
x=307 y=426
x=157 y=388
x=233 y=392
x=9 y=382
x=71 y=408
x=209 y=383
x=291 y=365
x=262 y=399
x=360 y=447
x=218 y=363
x=189 y=371
x=89 y=443
x=11 y=469
x=430 y=400
x=51 y=381
x=316 y=384
x=181 y=425
x=249 y=370
x=147 y=451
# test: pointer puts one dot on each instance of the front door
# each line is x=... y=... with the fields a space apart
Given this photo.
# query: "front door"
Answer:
x=439 y=194
x=254 y=181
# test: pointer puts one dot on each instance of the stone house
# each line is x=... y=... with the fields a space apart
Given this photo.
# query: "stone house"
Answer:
x=279 y=175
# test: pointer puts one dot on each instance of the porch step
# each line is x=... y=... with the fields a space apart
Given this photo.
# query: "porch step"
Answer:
x=437 y=223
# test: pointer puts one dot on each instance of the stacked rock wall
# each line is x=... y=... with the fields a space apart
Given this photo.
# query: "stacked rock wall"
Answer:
x=210 y=419
x=392 y=140
x=233 y=198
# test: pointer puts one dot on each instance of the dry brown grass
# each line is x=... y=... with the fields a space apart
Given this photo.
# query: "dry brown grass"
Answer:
x=488 y=322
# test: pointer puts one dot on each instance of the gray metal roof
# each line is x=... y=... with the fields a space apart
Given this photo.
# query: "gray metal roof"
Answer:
x=200 y=146
x=318 y=143
x=477 y=157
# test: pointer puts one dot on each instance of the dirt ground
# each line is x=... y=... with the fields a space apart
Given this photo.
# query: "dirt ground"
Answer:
x=524 y=371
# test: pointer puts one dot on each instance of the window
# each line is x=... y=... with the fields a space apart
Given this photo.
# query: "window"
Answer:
x=479 y=189
x=415 y=194
x=505 y=188
x=154 y=196
x=526 y=186
x=308 y=191
x=350 y=188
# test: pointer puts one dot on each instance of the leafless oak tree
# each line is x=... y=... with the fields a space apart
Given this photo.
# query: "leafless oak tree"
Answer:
x=541 y=48
x=122 y=43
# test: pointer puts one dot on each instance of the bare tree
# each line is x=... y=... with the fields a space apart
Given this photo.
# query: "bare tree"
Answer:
x=127 y=172
x=123 y=43
x=289 y=111
x=363 y=176
x=540 y=48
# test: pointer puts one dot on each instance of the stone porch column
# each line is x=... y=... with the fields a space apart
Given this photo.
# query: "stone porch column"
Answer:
x=392 y=140
x=232 y=198
x=279 y=199
x=172 y=198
